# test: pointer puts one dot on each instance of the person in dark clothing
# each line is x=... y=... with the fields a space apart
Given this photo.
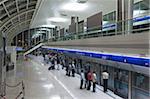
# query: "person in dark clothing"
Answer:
x=73 y=69
x=67 y=69
x=86 y=78
x=82 y=79
x=44 y=56
x=58 y=62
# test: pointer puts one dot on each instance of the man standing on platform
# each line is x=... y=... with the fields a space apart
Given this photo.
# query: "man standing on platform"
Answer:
x=105 y=77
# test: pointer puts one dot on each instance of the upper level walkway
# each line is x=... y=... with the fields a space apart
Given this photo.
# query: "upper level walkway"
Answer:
x=43 y=84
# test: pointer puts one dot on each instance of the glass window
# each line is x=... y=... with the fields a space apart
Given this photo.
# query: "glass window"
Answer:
x=140 y=86
x=121 y=82
x=144 y=5
x=109 y=18
x=141 y=81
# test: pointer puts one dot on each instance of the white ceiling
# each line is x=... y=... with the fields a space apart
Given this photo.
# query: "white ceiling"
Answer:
x=53 y=8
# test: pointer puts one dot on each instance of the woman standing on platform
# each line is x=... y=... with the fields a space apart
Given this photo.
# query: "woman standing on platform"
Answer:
x=94 y=80
x=90 y=78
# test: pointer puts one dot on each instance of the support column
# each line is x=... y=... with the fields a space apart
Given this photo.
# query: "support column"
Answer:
x=130 y=86
x=22 y=41
x=49 y=34
x=16 y=40
x=124 y=16
x=29 y=38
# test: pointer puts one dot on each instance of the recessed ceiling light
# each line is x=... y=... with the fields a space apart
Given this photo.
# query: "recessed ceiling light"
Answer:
x=62 y=14
x=57 y=19
x=74 y=7
x=50 y=26
x=81 y=1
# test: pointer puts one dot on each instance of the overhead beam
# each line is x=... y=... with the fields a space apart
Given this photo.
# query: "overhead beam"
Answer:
x=6 y=10
x=17 y=6
x=17 y=25
x=3 y=1
x=15 y=17
x=27 y=4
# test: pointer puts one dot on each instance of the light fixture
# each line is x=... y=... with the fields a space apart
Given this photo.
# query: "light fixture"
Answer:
x=81 y=1
x=50 y=26
x=138 y=12
x=57 y=19
x=74 y=7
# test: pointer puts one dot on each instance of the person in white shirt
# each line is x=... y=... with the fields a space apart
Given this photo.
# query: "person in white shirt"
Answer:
x=94 y=81
x=105 y=77
x=73 y=69
x=82 y=79
x=47 y=58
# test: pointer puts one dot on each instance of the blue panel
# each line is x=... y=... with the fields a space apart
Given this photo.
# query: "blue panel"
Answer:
x=141 y=18
x=113 y=25
x=96 y=55
x=138 y=61
x=118 y=58
x=125 y=59
x=19 y=49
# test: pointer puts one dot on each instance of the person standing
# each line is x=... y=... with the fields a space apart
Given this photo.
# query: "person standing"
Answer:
x=58 y=62
x=105 y=77
x=82 y=79
x=86 y=78
x=94 y=80
x=89 y=80
x=69 y=69
x=63 y=63
x=73 y=69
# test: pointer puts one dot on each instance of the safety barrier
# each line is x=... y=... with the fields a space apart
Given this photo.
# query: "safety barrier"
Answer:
x=22 y=92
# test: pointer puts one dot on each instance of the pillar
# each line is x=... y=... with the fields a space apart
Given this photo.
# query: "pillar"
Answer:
x=130 y=85
x=124 y=16
x=29 y=38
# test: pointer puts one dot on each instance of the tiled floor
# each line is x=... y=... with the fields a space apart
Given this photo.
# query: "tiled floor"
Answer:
x=43 y=84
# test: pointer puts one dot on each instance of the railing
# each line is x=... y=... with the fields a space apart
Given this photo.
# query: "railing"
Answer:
x=21 y=94
x=131 y=26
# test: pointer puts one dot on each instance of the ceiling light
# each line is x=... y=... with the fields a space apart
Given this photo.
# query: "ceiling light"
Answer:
x=81 y=1
x=50 y=26
x=57 y=19
x=74 y=7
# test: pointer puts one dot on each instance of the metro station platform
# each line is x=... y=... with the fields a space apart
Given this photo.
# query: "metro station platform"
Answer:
x=43 y=84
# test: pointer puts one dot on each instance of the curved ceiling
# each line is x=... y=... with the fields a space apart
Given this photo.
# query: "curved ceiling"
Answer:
x=16 y=15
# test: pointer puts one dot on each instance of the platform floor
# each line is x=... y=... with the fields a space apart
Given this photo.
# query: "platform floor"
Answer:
x=43 y=84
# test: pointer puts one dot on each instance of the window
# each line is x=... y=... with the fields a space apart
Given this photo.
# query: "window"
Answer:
x=141 y=81
x=109 y=18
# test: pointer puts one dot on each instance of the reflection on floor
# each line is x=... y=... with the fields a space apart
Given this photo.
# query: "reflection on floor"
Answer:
x=43 y=84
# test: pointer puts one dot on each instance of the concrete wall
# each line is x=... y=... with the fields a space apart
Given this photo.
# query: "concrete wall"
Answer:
x=127 y=44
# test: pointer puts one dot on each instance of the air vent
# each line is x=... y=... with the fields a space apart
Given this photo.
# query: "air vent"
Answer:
x=62 y=14
x=82 y=1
